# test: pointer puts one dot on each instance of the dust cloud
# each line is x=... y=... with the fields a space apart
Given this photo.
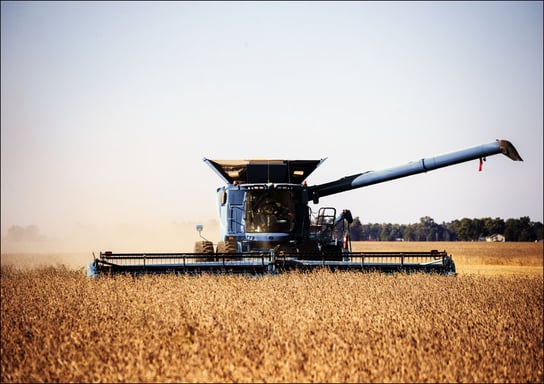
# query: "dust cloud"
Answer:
x=27 y=246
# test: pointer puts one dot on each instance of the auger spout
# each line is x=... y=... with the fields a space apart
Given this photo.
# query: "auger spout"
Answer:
x=413 y=168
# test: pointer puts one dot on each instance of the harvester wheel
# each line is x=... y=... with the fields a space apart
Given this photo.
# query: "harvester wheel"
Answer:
x=205 y=247
x=226 y=247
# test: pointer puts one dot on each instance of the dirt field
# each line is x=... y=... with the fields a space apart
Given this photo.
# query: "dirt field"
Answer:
x=483 y=325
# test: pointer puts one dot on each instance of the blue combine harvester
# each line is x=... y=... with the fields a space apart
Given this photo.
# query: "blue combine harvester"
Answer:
x=267 y=226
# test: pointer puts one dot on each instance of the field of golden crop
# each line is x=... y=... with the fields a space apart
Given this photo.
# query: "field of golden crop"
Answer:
x=475 y=257
x=59 y=325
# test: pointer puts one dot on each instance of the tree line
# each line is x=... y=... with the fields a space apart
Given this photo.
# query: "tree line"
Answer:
x=521 y=229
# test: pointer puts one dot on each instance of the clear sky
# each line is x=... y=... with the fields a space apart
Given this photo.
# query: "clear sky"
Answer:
x=107 y=109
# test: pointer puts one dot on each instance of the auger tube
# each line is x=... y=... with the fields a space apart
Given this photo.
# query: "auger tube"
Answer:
x=413 y=168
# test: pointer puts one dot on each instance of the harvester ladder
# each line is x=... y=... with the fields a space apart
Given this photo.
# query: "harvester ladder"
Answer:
x=325 y=217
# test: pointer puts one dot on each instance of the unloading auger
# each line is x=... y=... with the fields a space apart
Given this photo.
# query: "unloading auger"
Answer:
x=266 y=224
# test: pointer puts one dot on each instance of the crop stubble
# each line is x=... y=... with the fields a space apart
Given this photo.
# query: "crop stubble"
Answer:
x=58 y=325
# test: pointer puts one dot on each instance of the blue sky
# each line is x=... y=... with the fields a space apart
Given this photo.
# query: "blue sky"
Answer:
x=109 y=108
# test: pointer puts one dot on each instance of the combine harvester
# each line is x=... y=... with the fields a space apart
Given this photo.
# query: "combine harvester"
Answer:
x=267 y=226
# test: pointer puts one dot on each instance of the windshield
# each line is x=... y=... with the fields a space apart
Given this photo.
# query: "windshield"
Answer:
x=270 y=211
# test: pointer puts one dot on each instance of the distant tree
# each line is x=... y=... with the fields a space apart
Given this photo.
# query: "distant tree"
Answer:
x=513 y=229
x=375 y=230
x=538 y=229
x=526 y=230
x=493 y=226
x=366 y=232
x=409 y=233
x=466 y=229
x=356 y=229
x=385 y=232
x=397 y=232
x=451 y=231
x=428 y=229
x=442 y=232
x=477 y=229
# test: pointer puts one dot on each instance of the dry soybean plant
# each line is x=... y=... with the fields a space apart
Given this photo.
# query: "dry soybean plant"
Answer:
x=58 y=325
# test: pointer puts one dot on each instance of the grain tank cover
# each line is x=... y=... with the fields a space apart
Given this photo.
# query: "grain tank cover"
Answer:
x=264 y=171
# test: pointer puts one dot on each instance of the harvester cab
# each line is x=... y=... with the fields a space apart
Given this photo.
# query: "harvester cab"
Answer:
x=266 y=224
x=264 y=207
x=264 y=202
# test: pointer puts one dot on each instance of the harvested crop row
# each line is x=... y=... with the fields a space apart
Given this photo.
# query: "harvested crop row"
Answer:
x=57 y=325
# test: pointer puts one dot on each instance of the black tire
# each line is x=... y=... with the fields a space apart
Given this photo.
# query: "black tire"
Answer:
x=205 y=247
x=225 y=248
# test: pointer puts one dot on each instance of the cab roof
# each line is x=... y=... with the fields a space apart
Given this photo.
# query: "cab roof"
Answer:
x=264 y=171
